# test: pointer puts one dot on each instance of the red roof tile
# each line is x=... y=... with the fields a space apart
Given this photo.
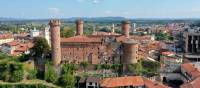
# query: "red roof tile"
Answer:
x=104 y=33
x=191 y=69
x=13 y=43
x=6 y=36
x=152 y=84
x=121 y=38
x=122 y=81
x=193 y=84
x=79 y=39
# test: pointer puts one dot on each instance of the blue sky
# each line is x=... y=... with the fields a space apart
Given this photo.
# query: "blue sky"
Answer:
x=100 y=8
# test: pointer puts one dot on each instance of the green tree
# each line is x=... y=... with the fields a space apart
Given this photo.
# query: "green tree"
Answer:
x=151 y=66
x=12 y=71
x=106 y=66
x=84 y=65
x=41 y=47
x=32 y=74
x=171 y=38
x=5 y=76
x=67 y=32
x=17 y=76
x=88 y=30
x=69 y=68
x=131 y=68
x=68 y=79
x=24 y=57
x=161 y=36
x=139 y=68
x=50 y=73
x=116 y=67
x=97 y=67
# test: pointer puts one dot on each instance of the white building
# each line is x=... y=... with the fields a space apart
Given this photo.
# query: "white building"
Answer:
x=133 y=27
x=47 y=35
x=35 y=33
x=5 y=38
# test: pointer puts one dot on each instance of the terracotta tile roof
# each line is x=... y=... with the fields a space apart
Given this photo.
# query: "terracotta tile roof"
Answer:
x=104 y=33
x=6 y=36
x=122 y=81
x=193 y=84
x=80 y=39
x=141 y=38
x=152 y=84
x=15 y=53
x=13 y=43
x=21 y=48
x=121 y=39
x=168 y=53
x=191 y=69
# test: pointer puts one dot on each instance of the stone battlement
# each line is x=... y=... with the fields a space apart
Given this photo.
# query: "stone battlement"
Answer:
x=125 y=22
x=79 y=21
x=54 y=22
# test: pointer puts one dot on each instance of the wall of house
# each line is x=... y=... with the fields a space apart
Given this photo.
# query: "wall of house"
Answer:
x=6 y=40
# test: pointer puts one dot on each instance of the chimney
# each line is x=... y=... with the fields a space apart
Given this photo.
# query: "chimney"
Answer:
x=125 y=28
x=79 y=27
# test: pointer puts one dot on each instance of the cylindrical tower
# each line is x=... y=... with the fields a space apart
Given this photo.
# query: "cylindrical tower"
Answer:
x=55 y=41
x=113 y=28
x=130 y=52
x=79 y=27
x=125 y=28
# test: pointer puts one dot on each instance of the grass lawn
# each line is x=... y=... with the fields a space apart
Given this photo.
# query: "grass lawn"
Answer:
x=32 y=82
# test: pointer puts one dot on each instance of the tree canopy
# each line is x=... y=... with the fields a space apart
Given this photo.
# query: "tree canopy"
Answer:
x=67 y=32
x=41 y=47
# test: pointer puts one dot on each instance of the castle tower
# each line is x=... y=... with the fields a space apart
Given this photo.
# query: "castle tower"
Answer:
x=94 y=28
x=113 y=28
x=134 y=27
x=55 y=41
x=47 y=35
x=125 y=28
x=130 y=52
x=79 y=27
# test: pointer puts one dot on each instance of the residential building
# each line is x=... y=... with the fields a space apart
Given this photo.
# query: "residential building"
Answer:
x=5 y=38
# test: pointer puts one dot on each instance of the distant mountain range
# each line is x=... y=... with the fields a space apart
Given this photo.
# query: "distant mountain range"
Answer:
x=69 y=19
x=10 y=19
x=99 y=19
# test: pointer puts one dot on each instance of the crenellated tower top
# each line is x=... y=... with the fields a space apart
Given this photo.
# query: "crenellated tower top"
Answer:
x=79 y=21
x=55 y=22
x=125 y=22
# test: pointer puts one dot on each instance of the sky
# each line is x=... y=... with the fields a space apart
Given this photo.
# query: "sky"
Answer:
x=35 y=9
